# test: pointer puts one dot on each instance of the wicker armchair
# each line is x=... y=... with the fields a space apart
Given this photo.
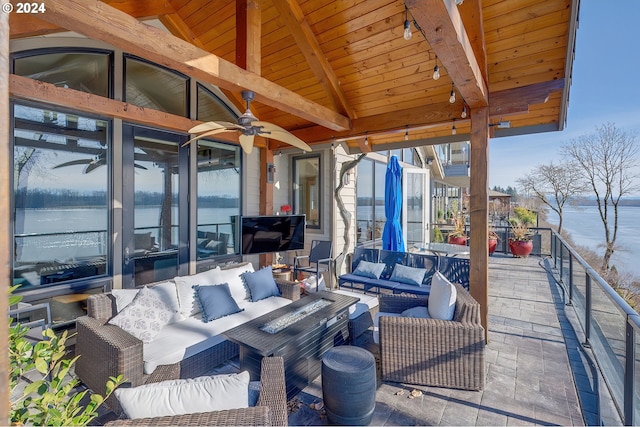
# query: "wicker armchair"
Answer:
x=432 y=352
x=106 y=350
x=271 y=409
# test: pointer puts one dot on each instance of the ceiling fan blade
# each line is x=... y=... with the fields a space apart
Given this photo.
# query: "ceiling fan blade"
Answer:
x=246 y=141
x=206 y=134
x=268 y=127
x=73 y=163
x=94 y=165
x=203 y=127
x=289 y=138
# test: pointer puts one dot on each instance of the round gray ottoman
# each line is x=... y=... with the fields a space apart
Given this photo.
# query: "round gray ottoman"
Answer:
x=349 y=385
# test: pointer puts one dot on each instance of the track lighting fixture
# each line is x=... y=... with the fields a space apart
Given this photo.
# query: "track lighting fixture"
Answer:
x=436 y=70
x=452 y=97
x=453 y=128
x=464 y=111
x=407 y=25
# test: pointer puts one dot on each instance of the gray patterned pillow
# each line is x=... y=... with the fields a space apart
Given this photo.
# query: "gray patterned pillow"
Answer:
x=144 y=317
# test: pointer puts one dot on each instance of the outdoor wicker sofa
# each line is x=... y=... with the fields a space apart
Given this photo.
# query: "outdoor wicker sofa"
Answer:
x=271 y=409
x=106 y=350
x=440 y=353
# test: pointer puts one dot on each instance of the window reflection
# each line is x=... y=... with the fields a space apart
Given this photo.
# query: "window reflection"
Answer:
x=61 y=196
x=218 y=199
x=306 y=189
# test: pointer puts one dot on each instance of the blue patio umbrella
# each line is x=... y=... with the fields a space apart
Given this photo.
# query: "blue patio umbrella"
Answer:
x=392 y=234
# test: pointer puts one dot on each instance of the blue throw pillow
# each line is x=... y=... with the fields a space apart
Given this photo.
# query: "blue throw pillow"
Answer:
x=409 y=275
x=260 y=283
x=372 y=270
x=215 y=301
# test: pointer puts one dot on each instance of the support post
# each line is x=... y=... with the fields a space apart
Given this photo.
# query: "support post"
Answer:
x=266 y=193
x=5 y=215
x=479 y=209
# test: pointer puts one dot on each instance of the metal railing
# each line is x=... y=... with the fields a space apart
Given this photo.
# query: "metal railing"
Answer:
x=611 y=327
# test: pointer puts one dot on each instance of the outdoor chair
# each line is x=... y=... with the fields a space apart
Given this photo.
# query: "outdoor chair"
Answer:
x=432 y=352
x=271 y=409
x=318 y=260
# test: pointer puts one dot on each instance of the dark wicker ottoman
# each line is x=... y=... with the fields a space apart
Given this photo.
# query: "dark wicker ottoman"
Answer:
x=349 y=385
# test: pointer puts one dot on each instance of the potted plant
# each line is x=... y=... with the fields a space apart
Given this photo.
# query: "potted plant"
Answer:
x=492 y=241
x=457 y=236
x=520 y=243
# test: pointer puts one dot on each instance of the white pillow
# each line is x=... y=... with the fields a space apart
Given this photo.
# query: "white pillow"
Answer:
x=165 y=291
x=186 y=295
x=232 y=276
x=144 y=317
x=442 y=298
x=419 y=312
x=187 y=396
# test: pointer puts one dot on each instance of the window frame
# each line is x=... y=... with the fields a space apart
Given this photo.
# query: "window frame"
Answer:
x=294 y=182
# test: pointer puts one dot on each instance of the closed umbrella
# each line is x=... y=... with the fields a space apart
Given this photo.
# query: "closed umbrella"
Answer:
x=392 y=234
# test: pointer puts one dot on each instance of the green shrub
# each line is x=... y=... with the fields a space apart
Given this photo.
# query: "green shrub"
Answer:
x=49 y=400
x=525 y=216
x=437 y=235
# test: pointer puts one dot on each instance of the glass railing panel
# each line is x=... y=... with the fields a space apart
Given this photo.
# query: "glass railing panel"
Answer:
x=636 y=358
x=608 y=334
x=579 y=292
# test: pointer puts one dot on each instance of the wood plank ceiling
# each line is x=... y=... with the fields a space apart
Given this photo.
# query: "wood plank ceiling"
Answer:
x=350 y=58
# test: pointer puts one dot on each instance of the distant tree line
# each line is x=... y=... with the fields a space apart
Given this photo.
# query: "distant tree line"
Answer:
x=60 y=198
x=509 y=190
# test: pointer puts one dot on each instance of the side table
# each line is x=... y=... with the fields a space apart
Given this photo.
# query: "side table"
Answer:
x=349 y=385
x=282 y=274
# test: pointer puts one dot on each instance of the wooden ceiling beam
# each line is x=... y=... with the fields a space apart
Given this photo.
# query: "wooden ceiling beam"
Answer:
x=471 y=13
x=100 y=21
x=442 y=26
x=35 y=90
x=518 y=100
x=248 y=35
x=511 y=101
x=26 y=25
x=297 y=24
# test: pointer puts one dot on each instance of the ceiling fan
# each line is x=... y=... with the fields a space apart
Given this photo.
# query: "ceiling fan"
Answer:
x=248 y=126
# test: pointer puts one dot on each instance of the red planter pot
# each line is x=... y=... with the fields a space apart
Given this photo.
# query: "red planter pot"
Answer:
x=462 y=241
x=493 y=244
x=520 y=248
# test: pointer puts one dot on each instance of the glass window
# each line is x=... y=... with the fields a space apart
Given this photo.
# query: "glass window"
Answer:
x=218 y=199
x=407 y=156
x=306 y=189
x=397 y=153
x=151 y=86
x=83 y=71
x=61 y=196
x=211 y=108
x=364 y=201
x=380 y=218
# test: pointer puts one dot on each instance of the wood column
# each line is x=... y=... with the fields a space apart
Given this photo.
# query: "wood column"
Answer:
x=266 y=193
x=5 y=216
x=479 y=208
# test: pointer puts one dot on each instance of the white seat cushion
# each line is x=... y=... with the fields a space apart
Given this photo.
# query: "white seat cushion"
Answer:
x=190 y=336
x=365 y=303
x=185 y=396
x=376 y=323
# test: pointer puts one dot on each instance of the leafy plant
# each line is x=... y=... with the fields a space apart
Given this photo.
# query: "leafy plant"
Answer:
x=437 y=235
x=519 y=230
x=51 y=399
x=525 y=216
x=458 y=226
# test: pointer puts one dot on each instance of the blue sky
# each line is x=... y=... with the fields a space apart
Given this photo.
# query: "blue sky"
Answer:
x=604 y=89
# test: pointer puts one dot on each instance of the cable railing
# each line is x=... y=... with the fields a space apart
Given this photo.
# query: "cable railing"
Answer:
x=611 y=327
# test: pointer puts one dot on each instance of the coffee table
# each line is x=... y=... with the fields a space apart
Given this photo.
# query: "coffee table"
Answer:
x=300 y=332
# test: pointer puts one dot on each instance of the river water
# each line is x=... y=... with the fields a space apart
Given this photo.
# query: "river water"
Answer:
x=586 y=229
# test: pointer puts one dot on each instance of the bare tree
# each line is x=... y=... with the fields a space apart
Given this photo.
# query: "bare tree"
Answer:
x=554 y=185
x=607 y=160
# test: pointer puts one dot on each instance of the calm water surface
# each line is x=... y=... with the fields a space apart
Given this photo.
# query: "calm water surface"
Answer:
x=586 y=229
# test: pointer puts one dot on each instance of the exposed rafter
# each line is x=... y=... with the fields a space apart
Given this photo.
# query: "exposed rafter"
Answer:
x=442 y=26
x=248 y=30
x=297 y=24
x=102 y=22
x=26 y=25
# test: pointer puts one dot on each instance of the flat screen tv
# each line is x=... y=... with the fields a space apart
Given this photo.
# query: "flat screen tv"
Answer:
x=277 y=233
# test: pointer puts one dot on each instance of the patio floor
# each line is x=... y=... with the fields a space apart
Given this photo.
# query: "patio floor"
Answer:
x=534 y=362
x=537 y=370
